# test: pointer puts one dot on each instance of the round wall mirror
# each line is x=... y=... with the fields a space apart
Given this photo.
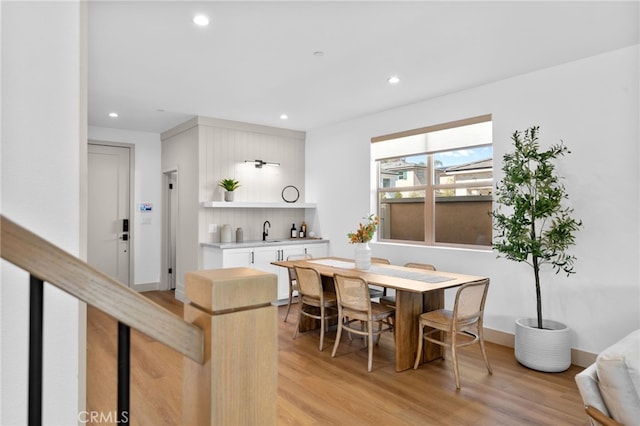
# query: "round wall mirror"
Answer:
x=290 y=194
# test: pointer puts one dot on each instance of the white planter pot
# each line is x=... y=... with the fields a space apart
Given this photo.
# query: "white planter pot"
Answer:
x=547 y=349
x=228 y=196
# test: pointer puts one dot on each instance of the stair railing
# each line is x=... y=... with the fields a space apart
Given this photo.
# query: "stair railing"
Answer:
x=47 y=263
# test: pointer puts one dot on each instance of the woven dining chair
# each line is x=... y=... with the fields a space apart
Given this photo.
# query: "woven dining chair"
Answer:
x=465 y=320
x=313 y=298
x=355 y=307
x=293 y=280
x=374 y=293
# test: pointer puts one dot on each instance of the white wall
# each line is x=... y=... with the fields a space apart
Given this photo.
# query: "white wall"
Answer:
x=43 y=132
x=147 y=189
x=180 y=153
x=592 y=105
x=224 y=146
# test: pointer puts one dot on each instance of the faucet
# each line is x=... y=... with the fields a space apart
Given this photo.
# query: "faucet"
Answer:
x=265 y=231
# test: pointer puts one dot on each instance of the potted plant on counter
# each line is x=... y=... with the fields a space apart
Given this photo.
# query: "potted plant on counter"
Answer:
x=229 y=185
x=533 y=226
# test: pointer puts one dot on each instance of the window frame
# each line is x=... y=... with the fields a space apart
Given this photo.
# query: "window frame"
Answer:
x=430 y=188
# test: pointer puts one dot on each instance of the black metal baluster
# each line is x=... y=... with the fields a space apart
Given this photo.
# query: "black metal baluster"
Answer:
x=124 y=344
x=36 y=304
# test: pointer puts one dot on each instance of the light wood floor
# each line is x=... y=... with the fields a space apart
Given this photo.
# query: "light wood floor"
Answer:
x=315 y=389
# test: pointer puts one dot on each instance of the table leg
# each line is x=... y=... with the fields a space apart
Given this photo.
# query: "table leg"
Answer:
x=408 y=308
x=432 y=301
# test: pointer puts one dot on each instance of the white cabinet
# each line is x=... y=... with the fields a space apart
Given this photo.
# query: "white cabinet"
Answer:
x=317 y=250
x=213 y=258
x=260 y=257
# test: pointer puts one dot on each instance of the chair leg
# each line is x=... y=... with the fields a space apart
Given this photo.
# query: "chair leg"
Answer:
x=295 y=332
x=338 y=335
x=322 y=320
x=379 y=334
x=370 y=340
x=289 y=303
x=454 y=355
x=419 y=352
x=483 y=349
x=364 y=327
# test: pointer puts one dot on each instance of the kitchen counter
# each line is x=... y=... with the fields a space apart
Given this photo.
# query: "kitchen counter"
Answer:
x=260 y=243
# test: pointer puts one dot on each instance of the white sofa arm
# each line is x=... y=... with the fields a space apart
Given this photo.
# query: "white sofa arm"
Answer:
x=589 y=387
x=612 y=383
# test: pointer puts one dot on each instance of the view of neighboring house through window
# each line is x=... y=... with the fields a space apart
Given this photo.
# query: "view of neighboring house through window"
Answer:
x=435 y=184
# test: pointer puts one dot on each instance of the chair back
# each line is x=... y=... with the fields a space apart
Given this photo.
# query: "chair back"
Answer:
x=292 y=271
x=426 y=266
x=353 y=293
x=380 y=260
x=469 y=303
x=309 y=282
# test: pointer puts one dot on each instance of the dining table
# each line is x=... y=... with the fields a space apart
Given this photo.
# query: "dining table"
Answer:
x=417 y=291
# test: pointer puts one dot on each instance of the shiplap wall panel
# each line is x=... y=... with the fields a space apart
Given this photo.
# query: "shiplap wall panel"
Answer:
x=223 y=149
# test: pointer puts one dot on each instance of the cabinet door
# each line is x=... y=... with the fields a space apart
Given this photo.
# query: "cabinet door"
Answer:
x=233 y=258
x=263 y=256
x=317 y=250
x=292 y=250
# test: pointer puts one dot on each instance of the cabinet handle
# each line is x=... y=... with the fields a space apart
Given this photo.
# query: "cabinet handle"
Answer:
x=252 y=260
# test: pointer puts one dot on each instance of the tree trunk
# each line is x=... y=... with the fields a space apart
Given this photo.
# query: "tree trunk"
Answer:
x=536 y=273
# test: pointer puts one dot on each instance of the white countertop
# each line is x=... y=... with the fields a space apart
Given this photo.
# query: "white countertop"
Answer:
x=260 y=243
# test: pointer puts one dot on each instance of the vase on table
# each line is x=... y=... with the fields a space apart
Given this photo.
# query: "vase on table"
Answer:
x=363 y=256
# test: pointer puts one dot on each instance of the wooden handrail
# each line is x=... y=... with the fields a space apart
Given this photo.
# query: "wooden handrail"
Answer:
x=70 y=274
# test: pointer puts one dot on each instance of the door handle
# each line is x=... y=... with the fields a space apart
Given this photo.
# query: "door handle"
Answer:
x=125 y=225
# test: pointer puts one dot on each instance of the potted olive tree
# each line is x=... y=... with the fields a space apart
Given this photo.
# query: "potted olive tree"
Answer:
x=533 y=226
x=229 y=185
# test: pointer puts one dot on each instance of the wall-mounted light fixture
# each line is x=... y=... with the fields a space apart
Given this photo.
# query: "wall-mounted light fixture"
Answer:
x=260 y=163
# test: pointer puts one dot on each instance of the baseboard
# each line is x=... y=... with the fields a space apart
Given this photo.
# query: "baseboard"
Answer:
x=578 y=357
x=179 y=294
x=582 y=358
x=146 y=287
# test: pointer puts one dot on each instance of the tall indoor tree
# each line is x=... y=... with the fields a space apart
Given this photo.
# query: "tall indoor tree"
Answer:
x=532 y=223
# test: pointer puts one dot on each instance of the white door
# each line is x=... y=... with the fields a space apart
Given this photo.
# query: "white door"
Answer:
x=108 y=244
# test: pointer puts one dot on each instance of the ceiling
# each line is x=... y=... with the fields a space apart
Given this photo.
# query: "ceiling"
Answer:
x=255 y=60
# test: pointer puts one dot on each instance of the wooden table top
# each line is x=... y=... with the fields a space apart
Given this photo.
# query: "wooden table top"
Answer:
x=391 y=276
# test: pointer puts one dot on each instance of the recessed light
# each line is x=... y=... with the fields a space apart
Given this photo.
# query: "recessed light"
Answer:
x=113 y=114
x=284 y=116
x=201 y=20
x=394 y=79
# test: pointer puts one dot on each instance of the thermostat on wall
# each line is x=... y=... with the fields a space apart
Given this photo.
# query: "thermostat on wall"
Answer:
x=146 y=207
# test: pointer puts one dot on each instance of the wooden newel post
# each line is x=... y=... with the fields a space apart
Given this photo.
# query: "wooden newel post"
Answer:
x=237 y=385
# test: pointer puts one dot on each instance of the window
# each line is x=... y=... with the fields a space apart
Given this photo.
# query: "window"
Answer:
x=434 y=185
